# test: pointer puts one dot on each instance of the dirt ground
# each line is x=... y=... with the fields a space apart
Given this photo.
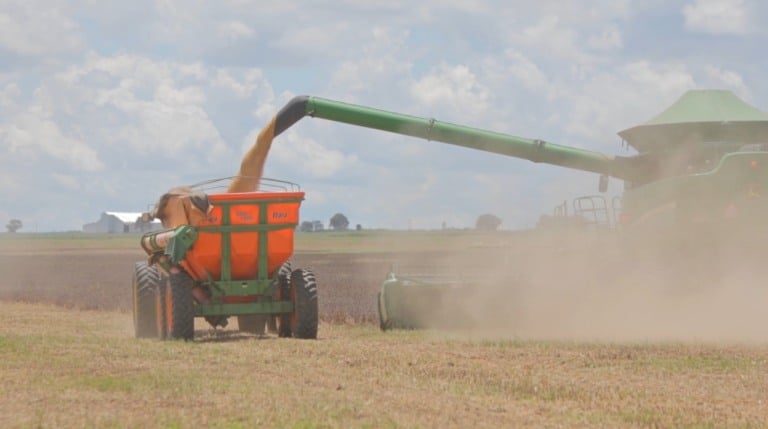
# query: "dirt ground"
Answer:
x=602 y=343
x=102 y=281
x=581 y=289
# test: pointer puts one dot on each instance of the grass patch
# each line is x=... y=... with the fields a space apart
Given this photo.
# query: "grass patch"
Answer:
x=87 y=370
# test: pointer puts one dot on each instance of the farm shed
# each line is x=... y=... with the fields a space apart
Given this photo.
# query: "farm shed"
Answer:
x=120 y=222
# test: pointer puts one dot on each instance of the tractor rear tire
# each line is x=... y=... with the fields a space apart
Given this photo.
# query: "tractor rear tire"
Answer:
x=303 y=293
x=179 y=307
x=146 y=287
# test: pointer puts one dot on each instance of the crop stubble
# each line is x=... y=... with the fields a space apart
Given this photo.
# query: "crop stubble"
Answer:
x=473 y=377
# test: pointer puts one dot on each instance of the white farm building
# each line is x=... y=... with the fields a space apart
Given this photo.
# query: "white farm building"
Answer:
x=121 y=222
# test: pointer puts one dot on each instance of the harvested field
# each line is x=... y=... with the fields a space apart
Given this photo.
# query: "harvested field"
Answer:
x=543 y=349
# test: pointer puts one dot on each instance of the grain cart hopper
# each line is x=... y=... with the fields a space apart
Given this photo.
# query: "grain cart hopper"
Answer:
x=699 y=174
x=233 y=263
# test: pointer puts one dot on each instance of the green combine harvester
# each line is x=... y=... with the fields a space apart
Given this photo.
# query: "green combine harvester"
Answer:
x=698 y=178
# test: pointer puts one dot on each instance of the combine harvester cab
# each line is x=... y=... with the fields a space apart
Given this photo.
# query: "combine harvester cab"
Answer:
x=234 y=263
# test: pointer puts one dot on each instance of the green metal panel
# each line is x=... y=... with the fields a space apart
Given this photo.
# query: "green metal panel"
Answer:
x=700 y=116
x=226 y=230
x=738 y=176
x=181 y=242
x=262 y=285
x=411 y=303
x=431 y=129
x=708 y=106
x=273 y=307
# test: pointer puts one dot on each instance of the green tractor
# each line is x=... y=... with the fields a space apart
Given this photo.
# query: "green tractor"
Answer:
x=698 y=178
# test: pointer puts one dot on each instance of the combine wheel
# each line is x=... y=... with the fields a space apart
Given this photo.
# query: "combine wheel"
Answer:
x=179 y=307
x=146 y=289
x=303 y=293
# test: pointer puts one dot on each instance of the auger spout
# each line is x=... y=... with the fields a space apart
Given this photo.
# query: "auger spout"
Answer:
x=459 y=135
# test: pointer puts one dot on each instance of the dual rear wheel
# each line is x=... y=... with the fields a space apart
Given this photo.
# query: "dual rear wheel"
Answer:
x=163 y=306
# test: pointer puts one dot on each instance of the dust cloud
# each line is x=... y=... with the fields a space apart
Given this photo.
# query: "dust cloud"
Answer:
x=605 y=286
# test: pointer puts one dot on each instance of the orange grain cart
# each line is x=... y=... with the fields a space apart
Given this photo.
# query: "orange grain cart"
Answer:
x=233 y=264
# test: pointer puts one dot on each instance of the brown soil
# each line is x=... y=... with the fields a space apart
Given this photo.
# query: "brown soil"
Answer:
x=98 y=280
x=582 y=289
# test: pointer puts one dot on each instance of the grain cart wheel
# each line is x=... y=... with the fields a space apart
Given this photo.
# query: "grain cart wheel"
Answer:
x=179 y=307
x=161 y=330
x=146 y=288
x=284 y=293
x=303 y=293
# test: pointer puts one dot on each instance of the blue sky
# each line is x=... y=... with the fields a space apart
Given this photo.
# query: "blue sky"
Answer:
x=105 y=105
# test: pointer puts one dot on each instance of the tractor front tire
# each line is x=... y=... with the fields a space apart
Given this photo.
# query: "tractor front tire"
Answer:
x=179 y=307
x=146 y=287
x=303 y=293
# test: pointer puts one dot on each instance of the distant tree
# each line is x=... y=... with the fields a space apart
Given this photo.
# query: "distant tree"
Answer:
x=14 y=225
x=339 y=222
x=317 y=226
x=358 y=227
x=487 y=222
x=306 y=226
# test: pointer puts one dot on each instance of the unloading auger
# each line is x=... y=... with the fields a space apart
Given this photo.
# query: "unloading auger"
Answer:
x=700 y=174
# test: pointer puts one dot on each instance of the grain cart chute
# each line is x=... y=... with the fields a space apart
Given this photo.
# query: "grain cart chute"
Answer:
x=233 y=262
x=700 y=173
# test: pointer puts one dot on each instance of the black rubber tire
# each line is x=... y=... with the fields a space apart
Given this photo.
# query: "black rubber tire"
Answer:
x=179 y=307
x=252 y=323
x=146 y=287
x=284 y=293
x=303 y=292
x=161 y=331
x=381 y=305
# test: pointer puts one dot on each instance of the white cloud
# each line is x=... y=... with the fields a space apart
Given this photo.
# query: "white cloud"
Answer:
x=30 y=137
x=550 y=35
x=235 y=30
x=9 y=97
x=728 y=79
x=156 y=107
x=243 y=85
x=609 y=39
x=673 y=77
x=144 y=95
x=454 y=88
x=526 y=71
x=716 y=16
x=381 y=59
x=67 y=181
x=38 y=28
x=306 y=156
x=623 y=97
x=10 y=185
